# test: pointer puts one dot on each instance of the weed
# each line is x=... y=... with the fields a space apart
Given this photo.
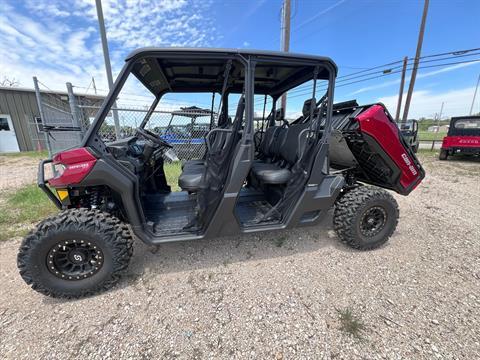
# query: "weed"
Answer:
x=19 y=210
x=31 y=154
x=350 y=324
x=279 y=241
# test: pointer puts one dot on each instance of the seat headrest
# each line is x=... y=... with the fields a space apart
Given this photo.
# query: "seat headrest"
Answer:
x=279 y=114
x=237 y=122
x=306 y=106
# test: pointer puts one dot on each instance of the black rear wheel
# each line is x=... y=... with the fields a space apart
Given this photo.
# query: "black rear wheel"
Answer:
x=365 y=217
x=443 y=154
x=76 y=253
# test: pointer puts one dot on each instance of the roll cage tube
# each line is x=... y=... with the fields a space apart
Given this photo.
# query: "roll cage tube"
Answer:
x=107 y=104
x=151 y=109
x=224 y=54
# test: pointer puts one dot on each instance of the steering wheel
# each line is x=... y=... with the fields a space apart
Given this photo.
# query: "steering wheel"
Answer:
x=147 y=134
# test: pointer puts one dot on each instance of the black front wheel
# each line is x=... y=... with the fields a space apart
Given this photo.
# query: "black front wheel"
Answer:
x=365 y=217
x=76 y=253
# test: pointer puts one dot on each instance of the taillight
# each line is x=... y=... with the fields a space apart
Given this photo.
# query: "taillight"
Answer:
x=72 y=166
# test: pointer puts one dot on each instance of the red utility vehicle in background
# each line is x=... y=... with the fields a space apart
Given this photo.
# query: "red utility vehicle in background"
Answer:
x=463 y=137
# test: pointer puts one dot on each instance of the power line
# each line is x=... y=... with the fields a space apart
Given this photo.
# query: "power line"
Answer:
x=391 y=73
x=369 y=72
x=298 y=94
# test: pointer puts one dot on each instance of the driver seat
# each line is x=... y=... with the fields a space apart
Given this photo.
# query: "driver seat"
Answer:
x=191 y=176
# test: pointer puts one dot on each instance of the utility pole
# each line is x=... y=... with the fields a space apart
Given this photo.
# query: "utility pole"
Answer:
x=94 y=86
x=402 y=85
x=108 y=67
x=286 y=10
x=439 y=118
x=474 y=95
x=415 y=64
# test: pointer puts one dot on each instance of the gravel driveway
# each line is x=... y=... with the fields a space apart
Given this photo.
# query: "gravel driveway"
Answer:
x=277 y=296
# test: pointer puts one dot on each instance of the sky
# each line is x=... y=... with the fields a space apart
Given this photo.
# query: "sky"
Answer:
x=58 y=41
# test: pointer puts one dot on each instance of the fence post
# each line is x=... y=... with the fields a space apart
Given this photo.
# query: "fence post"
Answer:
x=42 y=114
x=72 y=100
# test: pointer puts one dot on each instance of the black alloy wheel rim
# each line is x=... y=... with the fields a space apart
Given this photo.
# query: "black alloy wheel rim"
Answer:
x=373 y=221
x=74 y=259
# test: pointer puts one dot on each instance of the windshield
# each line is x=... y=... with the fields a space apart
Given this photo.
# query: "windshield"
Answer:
x=466 y=124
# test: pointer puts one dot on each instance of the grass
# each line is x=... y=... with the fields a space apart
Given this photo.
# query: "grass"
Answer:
x=350 y=324
x=172 y=172
x=31 y=154
x=428 y=135
x=428 y=151
x=20 y=210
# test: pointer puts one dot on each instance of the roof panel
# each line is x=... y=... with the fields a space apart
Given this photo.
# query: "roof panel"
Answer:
x=164 y=70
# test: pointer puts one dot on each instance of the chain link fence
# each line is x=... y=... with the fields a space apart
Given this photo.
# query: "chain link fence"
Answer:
x=66 y=118
x=185 y=129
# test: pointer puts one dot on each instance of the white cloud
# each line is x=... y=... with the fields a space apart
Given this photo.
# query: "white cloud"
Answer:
x=58 y=40
x=425 y=103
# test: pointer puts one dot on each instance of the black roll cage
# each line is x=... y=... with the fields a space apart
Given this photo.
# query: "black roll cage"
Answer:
x=249 y=59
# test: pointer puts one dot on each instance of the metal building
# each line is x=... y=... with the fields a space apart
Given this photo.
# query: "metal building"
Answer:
x=21 y=127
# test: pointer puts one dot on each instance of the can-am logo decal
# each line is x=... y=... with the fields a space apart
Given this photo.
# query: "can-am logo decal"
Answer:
x=409 y=164
x=78 y=166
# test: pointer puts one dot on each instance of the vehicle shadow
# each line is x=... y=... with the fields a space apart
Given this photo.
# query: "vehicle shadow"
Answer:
x=149 y=262
x=187 y=256
x=461 y=158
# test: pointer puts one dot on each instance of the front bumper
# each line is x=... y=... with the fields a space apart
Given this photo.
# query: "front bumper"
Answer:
x=42 y=183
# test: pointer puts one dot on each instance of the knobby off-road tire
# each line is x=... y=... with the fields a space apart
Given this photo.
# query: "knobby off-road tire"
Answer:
x=75 y=253
x=443 y=155
x=365 y=217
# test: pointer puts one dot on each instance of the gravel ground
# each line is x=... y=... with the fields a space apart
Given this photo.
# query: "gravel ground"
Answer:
x=277 y=295
x=17 y=171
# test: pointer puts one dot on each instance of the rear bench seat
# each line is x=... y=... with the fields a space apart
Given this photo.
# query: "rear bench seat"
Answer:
x=282 y=154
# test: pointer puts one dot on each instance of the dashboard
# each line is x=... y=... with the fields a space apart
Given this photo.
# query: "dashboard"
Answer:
x=142 y=153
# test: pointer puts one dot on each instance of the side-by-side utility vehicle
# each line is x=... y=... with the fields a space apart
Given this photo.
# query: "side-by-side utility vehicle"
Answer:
x=463 y=137
x=409 y=131
x=251 y=179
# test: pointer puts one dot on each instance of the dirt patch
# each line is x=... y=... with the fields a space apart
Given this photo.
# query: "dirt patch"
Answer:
x=16 y=172
x=258 y=297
